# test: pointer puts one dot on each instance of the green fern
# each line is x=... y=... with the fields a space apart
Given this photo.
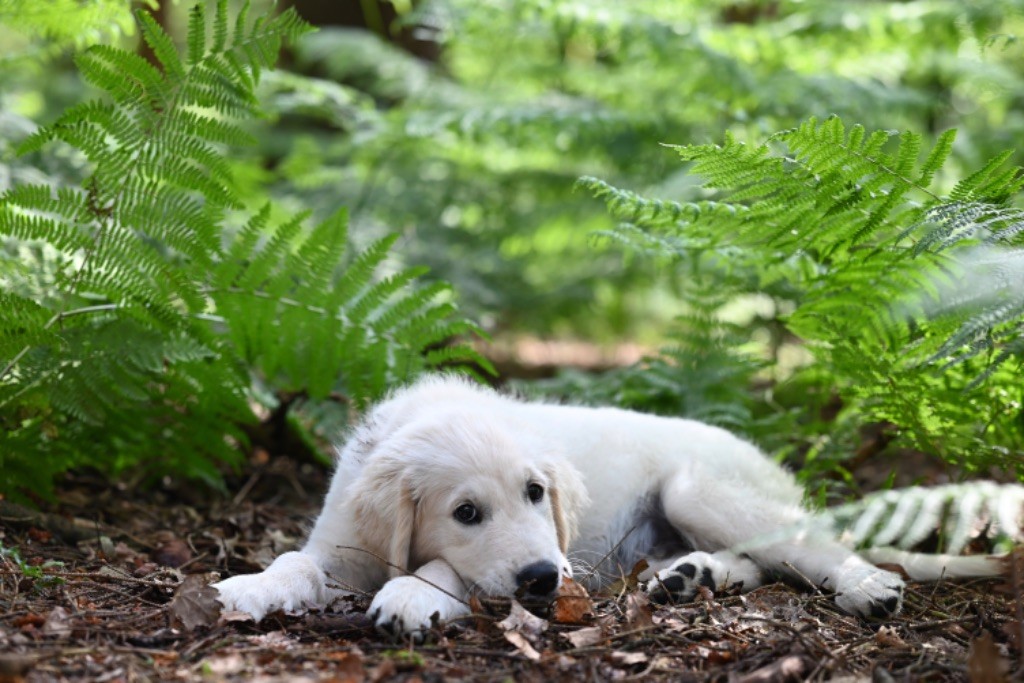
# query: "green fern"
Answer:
x=704 y=372
x=910 y=299
x=146 y=345
x=56 y=25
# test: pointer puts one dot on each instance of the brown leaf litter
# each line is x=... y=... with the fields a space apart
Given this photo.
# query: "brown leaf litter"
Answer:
x=131 y=602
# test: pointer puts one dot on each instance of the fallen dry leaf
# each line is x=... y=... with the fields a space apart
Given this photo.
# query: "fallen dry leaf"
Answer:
x=886 y=636
x=171 y=551
x=28 y=621
x=585 y=637
x=789 y=668
x=477 y=608
x=275 y=640
x=227 y=665
x=228 y=616
x=519 y=620
x=347 y=667
x=57 y=623
x=195 y=602
x=985 y=664
x=627 y=584
x=522 y=645
x=572 y=604
x=628 y=658
x=638 y=610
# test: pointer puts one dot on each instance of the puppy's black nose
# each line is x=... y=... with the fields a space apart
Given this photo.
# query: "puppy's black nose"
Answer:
x=539 y=578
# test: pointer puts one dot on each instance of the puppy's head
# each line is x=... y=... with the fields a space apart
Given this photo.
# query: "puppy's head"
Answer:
x=466 y=487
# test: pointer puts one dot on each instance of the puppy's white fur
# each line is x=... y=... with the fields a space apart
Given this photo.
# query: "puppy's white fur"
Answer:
x=618 y=486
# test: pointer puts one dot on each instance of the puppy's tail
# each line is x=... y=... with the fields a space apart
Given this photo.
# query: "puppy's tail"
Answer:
x=925 y=567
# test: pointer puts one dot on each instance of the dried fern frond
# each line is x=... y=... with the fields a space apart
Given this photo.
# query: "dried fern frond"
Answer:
x=955 y=514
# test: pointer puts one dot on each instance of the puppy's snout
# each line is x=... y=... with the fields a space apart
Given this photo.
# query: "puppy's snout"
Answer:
x=539 y=578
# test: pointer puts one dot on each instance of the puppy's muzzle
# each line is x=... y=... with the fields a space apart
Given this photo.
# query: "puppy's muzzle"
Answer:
x=539 y=579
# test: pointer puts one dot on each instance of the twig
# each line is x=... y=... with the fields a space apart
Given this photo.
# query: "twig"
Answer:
x=1014 y=559
x=810 y=584
x=594 y=567
x=96 y=577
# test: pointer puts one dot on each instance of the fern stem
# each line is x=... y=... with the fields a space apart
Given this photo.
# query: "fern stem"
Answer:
x=891 y=171
x=99 y=308
x=319 y=310
x=53 y=321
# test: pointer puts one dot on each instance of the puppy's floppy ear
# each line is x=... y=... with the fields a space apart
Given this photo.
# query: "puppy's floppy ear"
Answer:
x=385 y=512
x=568 y=498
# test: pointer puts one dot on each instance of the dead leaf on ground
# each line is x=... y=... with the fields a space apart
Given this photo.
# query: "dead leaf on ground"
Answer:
x=57 y=623
x=638 y=610
x=572 y=604
x=522 y=645
x=586 y=637
x=225 y=665
x=985 y=664
x=627 y=584
x=886 y=636
x=171 y=551
x=628 y=658
x=275 y=640
x=14 y=667
x=789 y=668
x=479 y=613
x=229 y=616
x=195 y=602
x=347 y=667
x=273 y=543
x=520 y=620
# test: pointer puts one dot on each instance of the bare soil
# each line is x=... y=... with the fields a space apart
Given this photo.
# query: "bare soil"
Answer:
x=111 y=585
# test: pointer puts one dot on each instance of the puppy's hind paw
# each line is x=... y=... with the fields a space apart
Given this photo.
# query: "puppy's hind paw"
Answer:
x=870 y=593
x=681 y=582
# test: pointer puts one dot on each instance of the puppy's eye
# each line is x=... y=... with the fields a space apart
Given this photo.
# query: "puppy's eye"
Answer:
x=535 y=492
x=467 y=514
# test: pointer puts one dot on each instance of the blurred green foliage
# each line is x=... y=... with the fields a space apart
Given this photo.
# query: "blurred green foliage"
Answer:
x=473 y=160
x=138 y=329
x=909 y=303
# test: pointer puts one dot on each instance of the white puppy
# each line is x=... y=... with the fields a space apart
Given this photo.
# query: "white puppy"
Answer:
x=448 y=488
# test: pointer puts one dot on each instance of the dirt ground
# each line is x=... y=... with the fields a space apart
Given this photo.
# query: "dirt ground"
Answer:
x=111 y=585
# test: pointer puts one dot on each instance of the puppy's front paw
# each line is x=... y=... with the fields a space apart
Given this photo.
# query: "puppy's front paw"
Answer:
x=293 y=583
x=870 y=592
x=407 y=606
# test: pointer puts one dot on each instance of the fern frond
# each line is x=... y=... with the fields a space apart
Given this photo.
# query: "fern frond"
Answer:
x=956 y=514
x=159 y=183
x=629 y=206
x=64 y=24
x=299 y=317
x=898 y=290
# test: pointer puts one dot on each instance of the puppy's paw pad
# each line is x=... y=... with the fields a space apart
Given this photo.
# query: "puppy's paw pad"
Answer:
x=870 y=593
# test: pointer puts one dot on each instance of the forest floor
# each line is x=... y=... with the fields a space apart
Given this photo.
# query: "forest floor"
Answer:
x=111 y=585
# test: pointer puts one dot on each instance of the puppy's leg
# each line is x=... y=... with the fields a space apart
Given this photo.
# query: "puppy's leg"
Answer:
x=861 y=588
x=294 y=582
x=721 y=513
x=408 y=605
